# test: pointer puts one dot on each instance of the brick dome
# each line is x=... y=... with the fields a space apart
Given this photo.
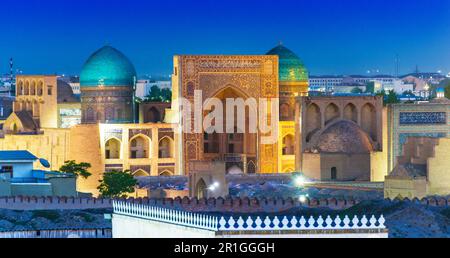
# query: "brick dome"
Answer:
x=344 y=137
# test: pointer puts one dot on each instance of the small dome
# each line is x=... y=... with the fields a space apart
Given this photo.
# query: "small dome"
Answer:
x=65 y=93
x=291 y=67
x=344 y=137
x=107 y=67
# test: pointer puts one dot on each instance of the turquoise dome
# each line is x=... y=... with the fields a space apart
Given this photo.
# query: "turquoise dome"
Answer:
x=291 y=67
x=107 y=67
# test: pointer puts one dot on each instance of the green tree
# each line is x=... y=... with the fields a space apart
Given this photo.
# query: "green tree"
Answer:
x=154 y=95
x=356 y=90
x=391 y=97
x=78 y=169
x=166 y=95
x=446 y=85
x=370 y=87
x=116 y=184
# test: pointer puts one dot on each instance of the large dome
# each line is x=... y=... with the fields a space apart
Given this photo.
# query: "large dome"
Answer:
x=344 y=137
x=107 y=67
x=291 y=67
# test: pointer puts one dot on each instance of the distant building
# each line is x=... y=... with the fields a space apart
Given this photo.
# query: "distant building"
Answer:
x=143 y=87
x=17 y=177
x=344 y=84
x=6 y=106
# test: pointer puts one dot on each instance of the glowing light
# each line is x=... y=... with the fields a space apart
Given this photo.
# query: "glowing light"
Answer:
x=302 y=198
x=300 y=181
x=213 y=187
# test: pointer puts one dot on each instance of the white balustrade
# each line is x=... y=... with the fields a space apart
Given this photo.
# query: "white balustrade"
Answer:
x=246 y=224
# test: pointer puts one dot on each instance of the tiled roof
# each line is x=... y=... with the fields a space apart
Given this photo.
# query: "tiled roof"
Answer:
x=17 y=155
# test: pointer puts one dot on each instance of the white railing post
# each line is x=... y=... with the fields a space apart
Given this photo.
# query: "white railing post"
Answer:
x=214 y=223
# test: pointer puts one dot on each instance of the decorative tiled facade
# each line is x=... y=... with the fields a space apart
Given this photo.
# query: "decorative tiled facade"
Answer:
x=421 y=118
x=409 y=120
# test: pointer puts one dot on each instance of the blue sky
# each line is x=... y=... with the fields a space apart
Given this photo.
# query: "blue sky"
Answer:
x=330 y=36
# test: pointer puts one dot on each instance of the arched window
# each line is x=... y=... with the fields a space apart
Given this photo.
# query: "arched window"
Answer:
x=14 y=128
x=19 y=88
x=112 y=149
x=40 y=88
x=26 y=90
x=201 y=190
x=251 y=168
x=166 y=148
x=33 y=88
x=288 y=145
x=139 y=147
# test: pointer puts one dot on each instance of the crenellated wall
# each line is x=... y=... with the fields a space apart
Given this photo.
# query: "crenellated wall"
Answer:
x=237 y=205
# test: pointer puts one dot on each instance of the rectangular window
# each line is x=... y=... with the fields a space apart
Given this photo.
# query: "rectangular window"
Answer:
x=7 y=170
x=49 y=90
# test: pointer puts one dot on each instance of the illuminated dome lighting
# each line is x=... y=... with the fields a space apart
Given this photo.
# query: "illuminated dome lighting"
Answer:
x=107 y=67
x=291 y=67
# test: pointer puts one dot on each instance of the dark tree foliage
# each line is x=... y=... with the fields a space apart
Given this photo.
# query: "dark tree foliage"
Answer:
x=117 y=184
x=158 y=95
x=78 y=169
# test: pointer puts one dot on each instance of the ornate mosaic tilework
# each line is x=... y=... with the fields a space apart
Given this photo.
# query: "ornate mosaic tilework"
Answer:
x=422 y=118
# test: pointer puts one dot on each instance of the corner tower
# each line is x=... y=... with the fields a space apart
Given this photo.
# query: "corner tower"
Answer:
x=107 y=83
x=293 y=82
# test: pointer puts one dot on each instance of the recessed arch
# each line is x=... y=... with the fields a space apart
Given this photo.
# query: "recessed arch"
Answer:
x=288 y=144
x=140 y=173
x=350 y=112
x=313 y=120
x=33 y=88
x=369 y=121
x=26 y=89
x=40 y=88
x=331 y=113
x=201 y=189
x=251 y=167
x=166 y=173
x=19 y=88
x=288 y=170
x=166 y=148
x=140 y=147
x=112 y=148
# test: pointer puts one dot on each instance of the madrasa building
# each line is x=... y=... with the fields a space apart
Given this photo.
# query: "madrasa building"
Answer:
x=105 y=128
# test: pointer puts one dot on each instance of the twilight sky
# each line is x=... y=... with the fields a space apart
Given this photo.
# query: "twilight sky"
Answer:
x=330 y=36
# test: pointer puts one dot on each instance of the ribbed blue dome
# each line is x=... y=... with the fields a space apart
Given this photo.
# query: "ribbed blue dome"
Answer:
x=291 y=67
x=107 y=67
